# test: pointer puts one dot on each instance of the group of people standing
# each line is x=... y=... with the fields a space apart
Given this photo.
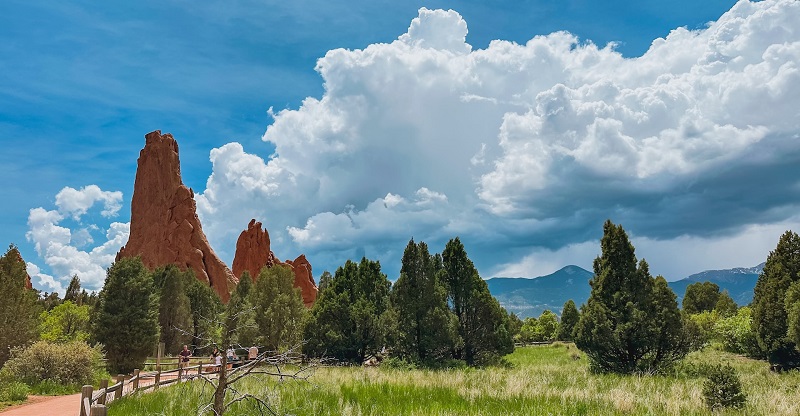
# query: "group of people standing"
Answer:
x=216 y=358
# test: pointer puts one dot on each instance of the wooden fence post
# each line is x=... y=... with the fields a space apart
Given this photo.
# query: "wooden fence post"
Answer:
x=98 y=410
x=103 y=385
x=160 y=353
x=158 y=377
x=136 y=380
x=200 y=369
x=86 y=392
x=121 y=382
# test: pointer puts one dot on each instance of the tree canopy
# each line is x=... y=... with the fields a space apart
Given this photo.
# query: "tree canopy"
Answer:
x=631 y=322
x=18 y=308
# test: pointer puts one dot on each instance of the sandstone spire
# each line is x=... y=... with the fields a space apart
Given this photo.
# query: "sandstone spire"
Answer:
x=253 y=253
x=165 y=228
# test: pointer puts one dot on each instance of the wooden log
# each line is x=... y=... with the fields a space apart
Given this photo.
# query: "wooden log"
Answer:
x=98 y=410
x=121 y=382
x=86 y=397
x=104 y=388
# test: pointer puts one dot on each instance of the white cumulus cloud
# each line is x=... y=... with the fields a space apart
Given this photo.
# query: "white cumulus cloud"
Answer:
x=61 y=249
x=534 y=144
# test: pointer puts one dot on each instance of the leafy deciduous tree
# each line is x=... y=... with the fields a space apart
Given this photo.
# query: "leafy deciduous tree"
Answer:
x=65 y=323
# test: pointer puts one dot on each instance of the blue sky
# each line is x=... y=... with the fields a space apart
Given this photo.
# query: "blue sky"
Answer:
x=385 y=125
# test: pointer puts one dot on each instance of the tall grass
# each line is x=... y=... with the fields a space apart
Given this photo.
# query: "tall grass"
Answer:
x=549 y=380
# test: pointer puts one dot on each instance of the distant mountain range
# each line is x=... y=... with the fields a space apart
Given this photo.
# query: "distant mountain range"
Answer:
x=530 y=297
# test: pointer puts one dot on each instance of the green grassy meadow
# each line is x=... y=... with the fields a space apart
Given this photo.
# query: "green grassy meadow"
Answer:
x=540 y=380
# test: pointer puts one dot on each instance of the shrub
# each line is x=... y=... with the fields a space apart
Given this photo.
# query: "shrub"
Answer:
x=13 y=392
x=723 y=389
x=71 y=363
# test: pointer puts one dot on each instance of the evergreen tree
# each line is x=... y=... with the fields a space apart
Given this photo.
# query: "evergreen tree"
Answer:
x=126 y=319
x=426 y=330
x=345 y=319
x=324 y=279
x=700 y=297
x=482 y=322
x=73 y=292
x=18 y=307
x=175 y=309
x=792 y=306
x=48 y=301
x=569 y=318
x=630 y=322
x=205 y=305
x=514 y=325
x=247 y=329
x=279 y=310
x=770 y=317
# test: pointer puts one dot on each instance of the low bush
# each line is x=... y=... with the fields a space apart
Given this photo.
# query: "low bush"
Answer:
x=723 y=389
x=74 y=363
x=13 y=392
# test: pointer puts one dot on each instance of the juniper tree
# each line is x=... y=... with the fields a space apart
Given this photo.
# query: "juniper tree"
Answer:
x=126 y=319
x=278 y=306
x=770 y=317
x=482 y=322
x=700 y=297
x=426 y=330
x=569 y=318
x=175 y=309
x=345 y=319
x=630 y=323
x=18 y=308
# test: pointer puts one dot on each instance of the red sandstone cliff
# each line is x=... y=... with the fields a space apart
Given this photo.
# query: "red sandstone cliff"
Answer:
x=253 y=253
x=165 y=228
x=14 y=254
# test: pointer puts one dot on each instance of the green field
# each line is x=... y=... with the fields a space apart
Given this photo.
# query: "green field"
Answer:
x=542 y=380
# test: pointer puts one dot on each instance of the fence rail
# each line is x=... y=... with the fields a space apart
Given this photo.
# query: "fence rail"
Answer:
x=93 y=403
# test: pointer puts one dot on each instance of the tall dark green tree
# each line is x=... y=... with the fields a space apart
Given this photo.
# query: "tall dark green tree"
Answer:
x=205 y=305
x=569 y=318
x=726 y=306
x=246 y=327
x=175 y=309
x=18 y=307
x=279 y=310
x=770 y=317
x=426 y=330
x=629 y=324
x=73 y=292
x=126 y=318
x=700 y=297
x=482 y=322
x=345 y=319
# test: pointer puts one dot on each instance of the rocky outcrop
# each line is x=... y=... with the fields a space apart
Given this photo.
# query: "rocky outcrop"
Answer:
x=15 y=255
x=253 y=252
x=165 y=228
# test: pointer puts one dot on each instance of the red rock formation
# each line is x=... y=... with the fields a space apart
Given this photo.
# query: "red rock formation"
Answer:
x=253 y=253
x=165 y=228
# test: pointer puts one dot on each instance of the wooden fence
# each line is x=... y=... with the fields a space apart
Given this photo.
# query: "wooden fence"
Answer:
x=93 y=403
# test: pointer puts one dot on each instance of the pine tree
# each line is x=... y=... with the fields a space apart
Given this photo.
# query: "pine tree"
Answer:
x=175 y=309
x=18 y=307
x=770 y=317
x=482 y=322
x=73 y=292
x=426 y=330
x=345 y=319
x=279 y=310
x=569 y=318
x=630 y=322
x=126 y=319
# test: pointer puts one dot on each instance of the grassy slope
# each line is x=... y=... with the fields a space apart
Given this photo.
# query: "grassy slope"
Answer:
x=543 y=380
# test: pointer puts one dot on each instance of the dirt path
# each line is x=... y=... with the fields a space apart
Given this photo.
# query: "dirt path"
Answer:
x=59 y=405
x=46 y=406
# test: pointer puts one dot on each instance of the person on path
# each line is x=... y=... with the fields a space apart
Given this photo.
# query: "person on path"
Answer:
x=183 y=361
